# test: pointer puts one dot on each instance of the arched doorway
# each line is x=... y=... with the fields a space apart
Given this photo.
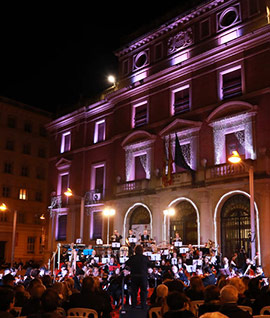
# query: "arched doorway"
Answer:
x=138 y=217
x=185 y=222
x=235 y=225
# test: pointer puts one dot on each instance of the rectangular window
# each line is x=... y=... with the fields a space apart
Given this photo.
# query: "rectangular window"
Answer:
x=28 y=126
x=231 y=83
x=23 y=194
x=97 y=225
x=62 y=227
x=21 y=217
x=11 y=122
x=99 y=131
x=140 y=115
x=25 y=171
x=181 y=100
x=65 y=142
x=10 y=145
x=3 y=217
x=26 y=149
x=6 y=192
x=98 y=178
x=64 y=185
x=8 y=167
x=31 y=240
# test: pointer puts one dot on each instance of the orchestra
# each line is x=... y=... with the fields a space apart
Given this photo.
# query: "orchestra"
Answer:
x=181 y=259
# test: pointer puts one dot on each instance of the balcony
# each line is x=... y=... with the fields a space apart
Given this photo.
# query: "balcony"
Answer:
x=133 y=186
x=210 y=175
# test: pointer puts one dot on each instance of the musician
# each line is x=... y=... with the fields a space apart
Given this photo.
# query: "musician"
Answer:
x=116 y=237
x=131 y=246
x=145 y=238
x=177 y=238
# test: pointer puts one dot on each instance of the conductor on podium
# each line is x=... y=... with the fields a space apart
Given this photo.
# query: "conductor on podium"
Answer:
x=138 y=265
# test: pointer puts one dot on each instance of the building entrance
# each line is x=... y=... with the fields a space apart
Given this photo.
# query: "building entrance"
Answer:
x=235 y=225
x=185 y=223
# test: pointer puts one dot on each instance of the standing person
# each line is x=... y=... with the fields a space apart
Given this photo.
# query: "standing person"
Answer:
x=130 y=245
x=138 y=265
x=145 y=239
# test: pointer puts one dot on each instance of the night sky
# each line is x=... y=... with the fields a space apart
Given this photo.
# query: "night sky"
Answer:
x=54 y=57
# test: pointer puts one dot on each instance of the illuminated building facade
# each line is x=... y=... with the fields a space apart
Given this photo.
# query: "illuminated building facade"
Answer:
x=202 y=77
x=24 y=151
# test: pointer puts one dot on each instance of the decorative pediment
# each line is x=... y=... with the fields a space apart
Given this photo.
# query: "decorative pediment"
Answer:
x=63 y=164
x=178 y=125
x=230 y=109
x=138 y=136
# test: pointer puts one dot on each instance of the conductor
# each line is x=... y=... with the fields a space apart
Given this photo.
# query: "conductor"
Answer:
x=138 y=265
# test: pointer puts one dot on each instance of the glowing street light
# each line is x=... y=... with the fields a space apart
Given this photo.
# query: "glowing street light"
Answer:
x=235 y=159
x=111 y=79
x=3 y=208
x=108 y=212
x=69 y=193
x=167 y=213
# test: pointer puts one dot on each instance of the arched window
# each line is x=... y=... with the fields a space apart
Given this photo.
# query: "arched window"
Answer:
x=184 y=222
x=235 y=225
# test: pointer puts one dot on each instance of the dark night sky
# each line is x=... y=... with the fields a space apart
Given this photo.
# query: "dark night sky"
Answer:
x=51 y=55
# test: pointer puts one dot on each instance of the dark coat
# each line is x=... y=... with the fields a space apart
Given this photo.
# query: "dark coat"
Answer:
x=233 y=311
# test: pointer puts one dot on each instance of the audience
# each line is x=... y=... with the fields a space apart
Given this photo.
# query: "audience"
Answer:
x=211 y=300
x=229 y=307
x=178 y=305
x=7 y=299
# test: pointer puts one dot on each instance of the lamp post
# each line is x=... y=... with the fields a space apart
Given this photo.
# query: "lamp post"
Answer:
x=235 y=158
x=3 y=207
x=108 y=212
x=69 y=193
x=167 y=213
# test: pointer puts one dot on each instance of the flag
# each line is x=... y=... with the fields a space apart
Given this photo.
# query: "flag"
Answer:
x=164 y=176
x=167 y=164
x=179 y=158
x=170 y=163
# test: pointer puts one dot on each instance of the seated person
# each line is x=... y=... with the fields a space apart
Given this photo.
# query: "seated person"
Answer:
x=211 y=300
x=178 y=305
x=7 y=299
x=229 y=307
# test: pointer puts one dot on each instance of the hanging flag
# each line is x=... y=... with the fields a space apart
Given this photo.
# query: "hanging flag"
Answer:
x=165 y=160
x=179 y=158
x=170 y=163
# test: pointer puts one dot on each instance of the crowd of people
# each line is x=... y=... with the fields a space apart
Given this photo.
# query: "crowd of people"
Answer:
x=222 y=284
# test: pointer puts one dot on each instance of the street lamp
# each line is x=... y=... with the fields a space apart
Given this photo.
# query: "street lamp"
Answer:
x=3 y=208
x=235 y=158
x=167 y=213
x=111 y=79
x=108 y=212
x=69 y=193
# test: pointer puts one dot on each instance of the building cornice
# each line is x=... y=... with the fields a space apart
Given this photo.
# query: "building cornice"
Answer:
x=170 y=25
